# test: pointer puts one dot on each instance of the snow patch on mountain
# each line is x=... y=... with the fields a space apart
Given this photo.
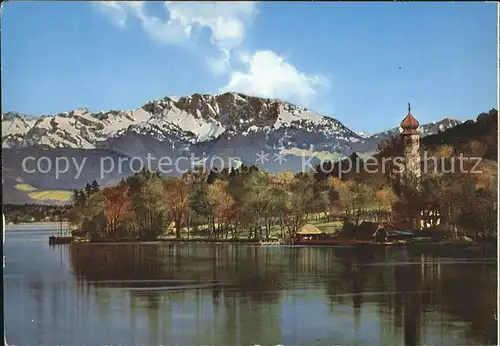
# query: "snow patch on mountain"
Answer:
x=203 y=129
x=363 y=134
x=290 y=114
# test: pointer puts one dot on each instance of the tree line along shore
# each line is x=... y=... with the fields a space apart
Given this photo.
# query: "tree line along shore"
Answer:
x=249 y=204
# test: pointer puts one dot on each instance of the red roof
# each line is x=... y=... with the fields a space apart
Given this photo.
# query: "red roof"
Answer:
x=409 y=123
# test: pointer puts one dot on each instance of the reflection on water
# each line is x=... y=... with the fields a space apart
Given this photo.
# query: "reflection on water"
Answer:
x=154 y=294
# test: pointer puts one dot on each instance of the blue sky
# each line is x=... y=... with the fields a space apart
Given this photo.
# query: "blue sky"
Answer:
x=341 y=59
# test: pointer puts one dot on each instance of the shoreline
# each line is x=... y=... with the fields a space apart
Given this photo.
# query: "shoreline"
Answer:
x=174 y=241
x=39 y=223
x=37 y=227
x=270 y=243
x=28 y=226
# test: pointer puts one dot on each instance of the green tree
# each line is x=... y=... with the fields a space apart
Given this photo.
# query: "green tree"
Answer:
x=94 y=222
x=202 y=205
x=148 y=204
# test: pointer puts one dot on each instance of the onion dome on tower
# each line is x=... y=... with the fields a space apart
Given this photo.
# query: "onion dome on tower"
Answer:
x=409 y=124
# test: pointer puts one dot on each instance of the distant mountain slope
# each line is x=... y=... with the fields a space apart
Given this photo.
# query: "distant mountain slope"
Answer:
x=478 y=137
x=370 y=143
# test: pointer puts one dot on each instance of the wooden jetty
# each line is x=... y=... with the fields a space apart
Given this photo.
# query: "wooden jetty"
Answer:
x=53 y=240
x=63 y=236
x=271 y=242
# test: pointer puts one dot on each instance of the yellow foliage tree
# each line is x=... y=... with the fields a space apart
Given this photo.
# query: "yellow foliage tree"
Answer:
x=221 y=202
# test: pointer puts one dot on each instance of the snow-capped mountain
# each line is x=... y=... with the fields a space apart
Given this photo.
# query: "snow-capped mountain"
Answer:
x=203 y=126
x=192 y=119
x=196 y=120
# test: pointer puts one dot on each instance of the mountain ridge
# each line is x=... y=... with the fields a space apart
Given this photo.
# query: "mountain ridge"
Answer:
x=201 y=125
x=194 y=118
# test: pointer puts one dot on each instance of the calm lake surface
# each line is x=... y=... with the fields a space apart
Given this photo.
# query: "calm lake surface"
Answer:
x=207 y=294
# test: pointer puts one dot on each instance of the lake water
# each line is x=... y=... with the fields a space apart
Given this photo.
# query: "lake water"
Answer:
x=207 y=294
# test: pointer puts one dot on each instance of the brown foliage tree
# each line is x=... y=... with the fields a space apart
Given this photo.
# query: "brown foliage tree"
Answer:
x=116 y=206
x=176 y=192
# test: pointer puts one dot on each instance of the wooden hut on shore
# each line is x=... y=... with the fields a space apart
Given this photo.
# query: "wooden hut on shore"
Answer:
x=381 y=232
x=309 y=232
x=311 y=235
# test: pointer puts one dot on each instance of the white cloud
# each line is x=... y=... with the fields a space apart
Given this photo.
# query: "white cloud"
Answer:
x=269 y=75
x=226 y=20
x=222 y=64
x=115 y=11
x=264 y=72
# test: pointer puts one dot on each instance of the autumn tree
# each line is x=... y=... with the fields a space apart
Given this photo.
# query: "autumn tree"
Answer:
x=279 y=199
x=213 y=202
x=264 y=202
x=176 y=193
x=221 y=204
x=355 y=200
x=197 y=175
x=116 y=207
x=449 y=192
x=383 y=203
x=331 y=188
x=256 y=202
x=284 y=179
x=445 y=150
x=299 y=201
x=480 y=209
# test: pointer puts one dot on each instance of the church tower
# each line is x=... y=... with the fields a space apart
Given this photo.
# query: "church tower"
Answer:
x=411 y=176
x=411 y=150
